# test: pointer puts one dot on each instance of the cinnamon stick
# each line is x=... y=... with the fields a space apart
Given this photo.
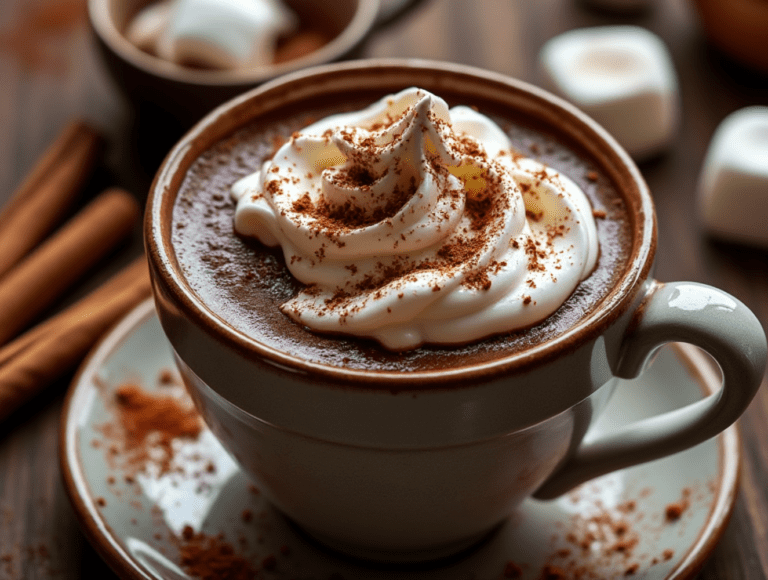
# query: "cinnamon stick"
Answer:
x=32 y=285
x=55 y=347
x=137 y=270
x=47 y=192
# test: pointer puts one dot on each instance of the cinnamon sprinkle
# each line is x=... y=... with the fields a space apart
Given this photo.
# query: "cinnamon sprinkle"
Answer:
x=212 y=558
x=146 y=421
x=674 y=511
x=632 y=569
x=478 y=280
x=452 y=157
x=337 y=219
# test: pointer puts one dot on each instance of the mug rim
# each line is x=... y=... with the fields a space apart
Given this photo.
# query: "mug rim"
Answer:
x=297 y=87
x=358 y=28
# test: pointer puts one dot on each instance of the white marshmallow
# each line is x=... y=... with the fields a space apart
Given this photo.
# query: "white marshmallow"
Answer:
x=623 y=77
x=146 y=27
x=212 y=33
x=733 y=186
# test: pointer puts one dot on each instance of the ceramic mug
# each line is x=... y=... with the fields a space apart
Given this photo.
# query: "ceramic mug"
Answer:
x=409 y=466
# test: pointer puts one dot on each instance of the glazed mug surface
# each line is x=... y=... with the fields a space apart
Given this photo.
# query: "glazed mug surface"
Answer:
x=412 y=466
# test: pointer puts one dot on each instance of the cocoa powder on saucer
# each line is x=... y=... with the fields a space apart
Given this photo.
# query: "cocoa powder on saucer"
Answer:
x=146 y=424
x=212 y=558
x=604 y=540
x=675 y=510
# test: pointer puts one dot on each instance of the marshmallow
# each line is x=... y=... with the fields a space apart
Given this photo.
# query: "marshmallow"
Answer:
x=212 y=33
x=622 y=76
x=148 y=25
x=733 y=186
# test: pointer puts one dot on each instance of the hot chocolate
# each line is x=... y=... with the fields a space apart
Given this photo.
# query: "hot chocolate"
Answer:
x=418 y=454
x=244 y=283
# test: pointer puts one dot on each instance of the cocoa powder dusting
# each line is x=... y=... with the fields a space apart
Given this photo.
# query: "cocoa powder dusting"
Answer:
x=212 y=558
x=627 y=507
x=483 y=194
x=597 y=545
x=166 y=377
x=632 y=569
x=674 y=511
x=336 y=219
x=478 y=280
x=146 y=426
x=606 y=542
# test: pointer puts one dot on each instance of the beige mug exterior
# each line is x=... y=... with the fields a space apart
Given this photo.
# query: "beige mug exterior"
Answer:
x=413 y=466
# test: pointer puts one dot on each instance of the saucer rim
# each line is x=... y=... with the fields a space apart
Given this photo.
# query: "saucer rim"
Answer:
x=104 y=541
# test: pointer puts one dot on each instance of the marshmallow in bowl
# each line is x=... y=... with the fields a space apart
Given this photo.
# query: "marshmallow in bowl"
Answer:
x=145 y=28
x=733 y=186
x=623 y=77
x=221 y=34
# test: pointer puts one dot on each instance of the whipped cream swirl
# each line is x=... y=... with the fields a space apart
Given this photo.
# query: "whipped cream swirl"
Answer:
x=410 y=223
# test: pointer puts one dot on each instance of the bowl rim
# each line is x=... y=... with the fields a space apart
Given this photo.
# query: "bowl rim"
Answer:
x=361 y=24
x=293 y=88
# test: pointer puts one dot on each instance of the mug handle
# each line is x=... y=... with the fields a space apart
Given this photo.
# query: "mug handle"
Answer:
x=675 y=312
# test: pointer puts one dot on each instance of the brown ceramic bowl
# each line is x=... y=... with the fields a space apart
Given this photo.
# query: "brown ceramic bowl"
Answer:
x=189 y=93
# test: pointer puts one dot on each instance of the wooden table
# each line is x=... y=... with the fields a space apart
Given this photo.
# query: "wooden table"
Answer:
x=50 y=73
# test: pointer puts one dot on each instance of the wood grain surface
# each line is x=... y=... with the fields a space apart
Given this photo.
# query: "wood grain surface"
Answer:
x=50 y=73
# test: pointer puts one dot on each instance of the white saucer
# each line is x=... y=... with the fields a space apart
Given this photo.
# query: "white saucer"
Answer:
x=135 y=525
